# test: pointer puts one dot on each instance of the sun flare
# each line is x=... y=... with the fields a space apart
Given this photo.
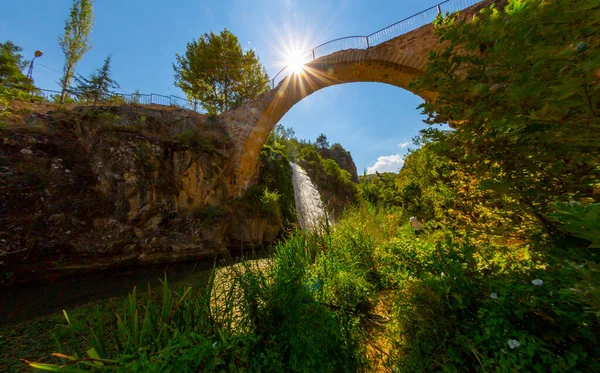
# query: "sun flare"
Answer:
x=295 y=62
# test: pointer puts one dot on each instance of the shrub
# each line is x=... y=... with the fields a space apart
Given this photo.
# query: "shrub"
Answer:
x=270 y=203
x=208 y=214
x=277 y=324
x=196 y=140
x=276 y=175
x=454 y=316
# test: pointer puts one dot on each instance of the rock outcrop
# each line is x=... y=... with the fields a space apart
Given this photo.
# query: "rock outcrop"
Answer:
x=93 y=188
x=343 y=158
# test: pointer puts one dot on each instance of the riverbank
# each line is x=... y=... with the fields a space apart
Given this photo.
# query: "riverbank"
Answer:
x=31 y=314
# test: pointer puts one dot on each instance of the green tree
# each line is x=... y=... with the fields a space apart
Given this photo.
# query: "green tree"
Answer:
x=380 y=189
x=216 y=72
x=322 y=142
x=98 y=86
x=12 y=64
x=283 y=133
x=521 y=87
x=75 y=41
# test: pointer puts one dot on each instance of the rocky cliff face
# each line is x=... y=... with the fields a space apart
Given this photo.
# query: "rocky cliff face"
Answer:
x=94 y=188
x=343 y=158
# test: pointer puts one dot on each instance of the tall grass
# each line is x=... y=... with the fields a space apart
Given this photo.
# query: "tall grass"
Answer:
x=263 y=319
x=455 y=306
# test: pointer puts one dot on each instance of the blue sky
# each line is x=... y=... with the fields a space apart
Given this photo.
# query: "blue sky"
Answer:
x=375 y=122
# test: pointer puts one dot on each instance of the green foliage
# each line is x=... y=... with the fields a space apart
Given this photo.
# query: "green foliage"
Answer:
x=270 y=202
x=103 y=115
x=197 y=141
x=457 y=313
x=338 y=147
x=143 y=331
x=8 y=94
x=97 y=87
x=68 y=99
x=380 y=189
x=291 y=321
x=334 y=183
x=12 y=64
x=523 y=100
x=218 y=73
x=276 y=177
x=209 y=213
x=14 y=85
x=456 y=307
x=345 y=266
x=322 y=142
x=268 y=321
x=75 y=40
x=582 y=220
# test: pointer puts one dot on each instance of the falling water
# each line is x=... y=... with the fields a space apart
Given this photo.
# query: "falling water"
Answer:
x=309 y=208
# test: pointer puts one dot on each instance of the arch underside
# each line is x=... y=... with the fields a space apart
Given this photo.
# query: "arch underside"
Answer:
x=316 y=76
x=396 y=62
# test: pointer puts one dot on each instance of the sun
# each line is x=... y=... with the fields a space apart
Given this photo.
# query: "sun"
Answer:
x=295 y=62
x=294 y=54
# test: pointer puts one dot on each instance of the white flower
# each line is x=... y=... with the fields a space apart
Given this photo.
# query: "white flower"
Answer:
x=537 y=282
x=214 y=344
x=494 y=296
x=513 y=343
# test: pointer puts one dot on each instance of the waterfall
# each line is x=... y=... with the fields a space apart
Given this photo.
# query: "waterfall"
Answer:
x=309 y=208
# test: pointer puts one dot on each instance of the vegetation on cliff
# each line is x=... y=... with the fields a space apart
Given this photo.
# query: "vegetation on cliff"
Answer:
x=94 y=187
x=329 y=168
x=273 y=194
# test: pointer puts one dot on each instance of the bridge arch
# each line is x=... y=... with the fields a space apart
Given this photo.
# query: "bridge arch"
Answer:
x=396 y=62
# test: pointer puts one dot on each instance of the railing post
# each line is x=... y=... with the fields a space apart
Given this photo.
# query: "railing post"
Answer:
x=439 y=9
x=313 y=54
x=273 y=83
x=367 y=39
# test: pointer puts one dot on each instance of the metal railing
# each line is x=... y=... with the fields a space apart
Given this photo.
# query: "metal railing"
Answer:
x=121 y=98
x=364 y=42
x=350 y=42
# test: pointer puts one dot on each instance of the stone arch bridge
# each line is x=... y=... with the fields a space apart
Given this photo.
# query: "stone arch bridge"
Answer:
x=396 y=61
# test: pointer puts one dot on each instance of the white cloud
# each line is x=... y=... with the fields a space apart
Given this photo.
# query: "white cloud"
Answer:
x=387 y=163
x=404 y=144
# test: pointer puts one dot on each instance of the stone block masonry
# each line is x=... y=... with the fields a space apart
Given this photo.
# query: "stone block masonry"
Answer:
x=396 y=62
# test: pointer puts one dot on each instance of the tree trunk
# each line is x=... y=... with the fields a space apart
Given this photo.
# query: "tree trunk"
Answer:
x=65 y=82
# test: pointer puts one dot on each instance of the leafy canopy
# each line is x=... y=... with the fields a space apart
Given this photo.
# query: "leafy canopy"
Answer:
x=75 y=40
x=322 y=142
x=217 y=72
x=98 y=86
x=521 y=86
x=12 y=64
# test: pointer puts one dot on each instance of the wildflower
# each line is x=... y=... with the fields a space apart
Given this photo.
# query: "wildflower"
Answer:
x=494 y=296
x=537 y=282
x=513 y=343
x=214 y=344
